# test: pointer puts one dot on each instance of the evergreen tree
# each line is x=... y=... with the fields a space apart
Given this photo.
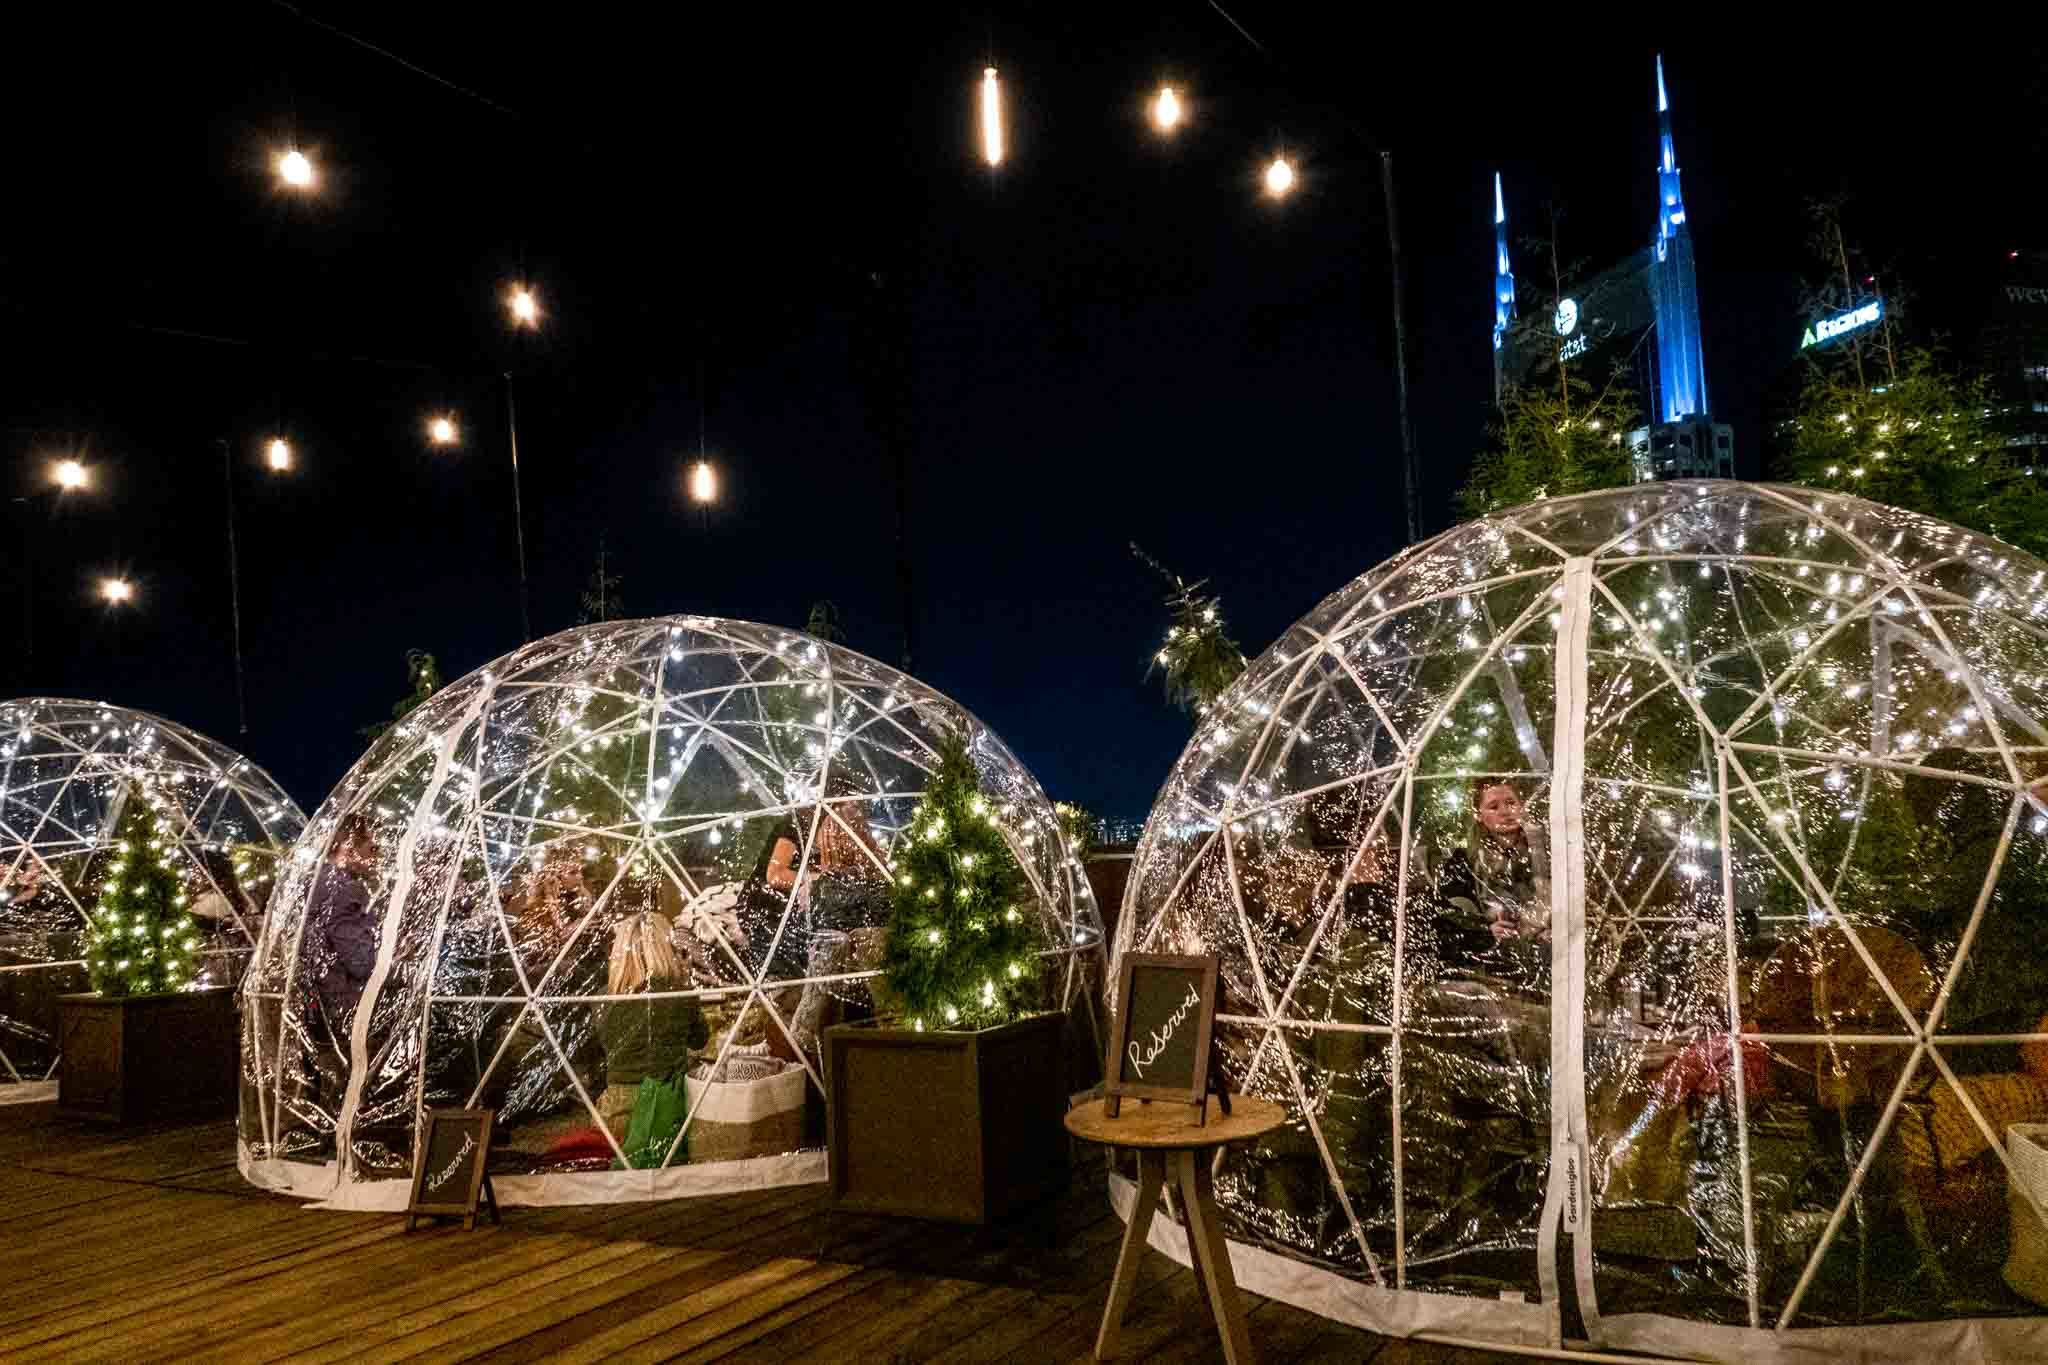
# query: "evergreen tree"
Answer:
x=1199 y=659
x=425 y=676
x=140 y=940
x=602 y=600
x=1923 y=440
x=963 y=939
x=823 y=623
x=1549 y=443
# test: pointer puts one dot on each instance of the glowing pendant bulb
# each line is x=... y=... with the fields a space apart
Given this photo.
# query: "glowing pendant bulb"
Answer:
x=1279 y=176
x=278 y=454
x=991 y=118
x=295 y=170
x=525 y=307
x=1166 y=109
x=703 y=483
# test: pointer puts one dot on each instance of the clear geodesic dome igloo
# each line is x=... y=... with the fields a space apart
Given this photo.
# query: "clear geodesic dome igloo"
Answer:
x=66 y=768
x=1636 y=900
x=635 y=850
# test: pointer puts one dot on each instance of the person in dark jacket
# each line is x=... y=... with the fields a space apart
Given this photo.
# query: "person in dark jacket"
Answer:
x=341 y=934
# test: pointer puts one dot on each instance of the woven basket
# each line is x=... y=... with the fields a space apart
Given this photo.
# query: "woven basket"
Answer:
x=2026 y=1267
x=2004 y=1100
x=738 y=1119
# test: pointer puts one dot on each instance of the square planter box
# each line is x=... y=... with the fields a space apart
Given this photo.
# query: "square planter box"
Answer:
x=963 y=1127
x=147 y=1057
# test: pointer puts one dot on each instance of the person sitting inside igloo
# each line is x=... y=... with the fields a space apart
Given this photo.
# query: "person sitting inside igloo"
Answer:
x=1475 y=1090
x=647 y=1041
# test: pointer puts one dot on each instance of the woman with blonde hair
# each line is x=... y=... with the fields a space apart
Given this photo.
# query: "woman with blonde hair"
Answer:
x=648 y=1038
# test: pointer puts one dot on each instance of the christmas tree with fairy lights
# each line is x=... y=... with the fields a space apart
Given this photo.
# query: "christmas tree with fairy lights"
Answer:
x=963 y=936
x=141 y=941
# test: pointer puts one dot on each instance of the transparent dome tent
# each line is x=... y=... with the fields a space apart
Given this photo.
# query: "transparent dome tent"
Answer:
x=66 y=769
x=635 y=850
x=1636 y=902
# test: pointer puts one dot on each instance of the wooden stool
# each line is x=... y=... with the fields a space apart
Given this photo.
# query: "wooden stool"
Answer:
x=1169 y=1143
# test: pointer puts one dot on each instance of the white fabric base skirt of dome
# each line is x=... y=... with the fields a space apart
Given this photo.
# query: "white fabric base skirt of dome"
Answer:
x=66 y=768
x=1636 y=901
x=635 y=850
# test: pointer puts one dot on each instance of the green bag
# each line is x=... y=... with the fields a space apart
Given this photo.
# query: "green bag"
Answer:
x=658 y=1112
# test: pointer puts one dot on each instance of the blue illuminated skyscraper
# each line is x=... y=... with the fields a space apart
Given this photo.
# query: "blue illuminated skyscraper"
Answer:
x=1600 y=319
x=1684 y=441
x=1503 y=283
x=1674 y=287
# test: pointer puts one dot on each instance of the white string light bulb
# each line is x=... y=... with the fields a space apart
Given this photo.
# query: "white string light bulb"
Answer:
x=278 y=454
x=1279 y=176
x=525 y=306
x=991 y=118
x=703 y=483
x=295 y=169
x=1166 y=109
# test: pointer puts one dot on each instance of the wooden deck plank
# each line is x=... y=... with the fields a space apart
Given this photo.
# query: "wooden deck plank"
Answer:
x=470 y=1273
x=147 y=1245
x=589 y=1290
x=817 y=1300
x=882 y=1336
x=108 y=1312
x=433 y=1319
x=332 y=1282
x=650 y=1324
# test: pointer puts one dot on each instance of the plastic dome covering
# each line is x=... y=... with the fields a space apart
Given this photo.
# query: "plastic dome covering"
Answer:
x=569 y=864
x=66 y=768
x=1635 y=900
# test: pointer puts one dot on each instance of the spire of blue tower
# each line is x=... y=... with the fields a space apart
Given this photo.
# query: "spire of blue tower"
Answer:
x=1671 y=204
x=1674 y=286
x=1503 y=281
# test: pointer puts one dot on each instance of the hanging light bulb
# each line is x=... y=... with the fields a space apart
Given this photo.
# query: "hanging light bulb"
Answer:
x=1166 y=110
x=116 y=592
x=991 y=117
x=442 y=431
x=278 y=454
x=69 y=475
x=703 y=483
x=525 y=307
x=295 y=169
x=1279 y=176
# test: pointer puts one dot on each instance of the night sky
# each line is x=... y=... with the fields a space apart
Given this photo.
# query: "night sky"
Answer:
x=1114 y=339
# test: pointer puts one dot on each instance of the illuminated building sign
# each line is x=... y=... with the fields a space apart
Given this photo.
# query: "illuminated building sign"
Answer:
x=1827 y=329
x=1567 y=316
x=1575 y=348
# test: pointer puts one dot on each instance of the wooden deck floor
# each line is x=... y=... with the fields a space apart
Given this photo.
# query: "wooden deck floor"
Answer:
x=146 y=1244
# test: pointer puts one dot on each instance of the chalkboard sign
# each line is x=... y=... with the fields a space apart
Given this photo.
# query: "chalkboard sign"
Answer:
x=450 y=1171
x=1159 y=1048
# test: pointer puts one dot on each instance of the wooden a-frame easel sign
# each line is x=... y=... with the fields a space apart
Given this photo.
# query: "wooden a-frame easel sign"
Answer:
x=450 y=1173
x=1161 y=1041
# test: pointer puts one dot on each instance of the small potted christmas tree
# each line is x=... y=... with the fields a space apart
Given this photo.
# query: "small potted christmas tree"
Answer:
x=951 y=1109
x=143 y=1044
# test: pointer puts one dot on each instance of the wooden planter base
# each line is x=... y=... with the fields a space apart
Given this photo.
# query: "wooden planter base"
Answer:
x=145 y=1057
x=961 y=1127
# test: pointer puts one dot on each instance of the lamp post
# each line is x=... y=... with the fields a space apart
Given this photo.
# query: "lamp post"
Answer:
x=1279 y=178
x=518 y=515
x=277 y=453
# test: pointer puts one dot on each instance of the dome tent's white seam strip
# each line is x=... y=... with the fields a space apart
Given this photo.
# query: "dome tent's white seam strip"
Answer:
x=1751 y=1289
x=387 y=944
x=1567 y=1202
